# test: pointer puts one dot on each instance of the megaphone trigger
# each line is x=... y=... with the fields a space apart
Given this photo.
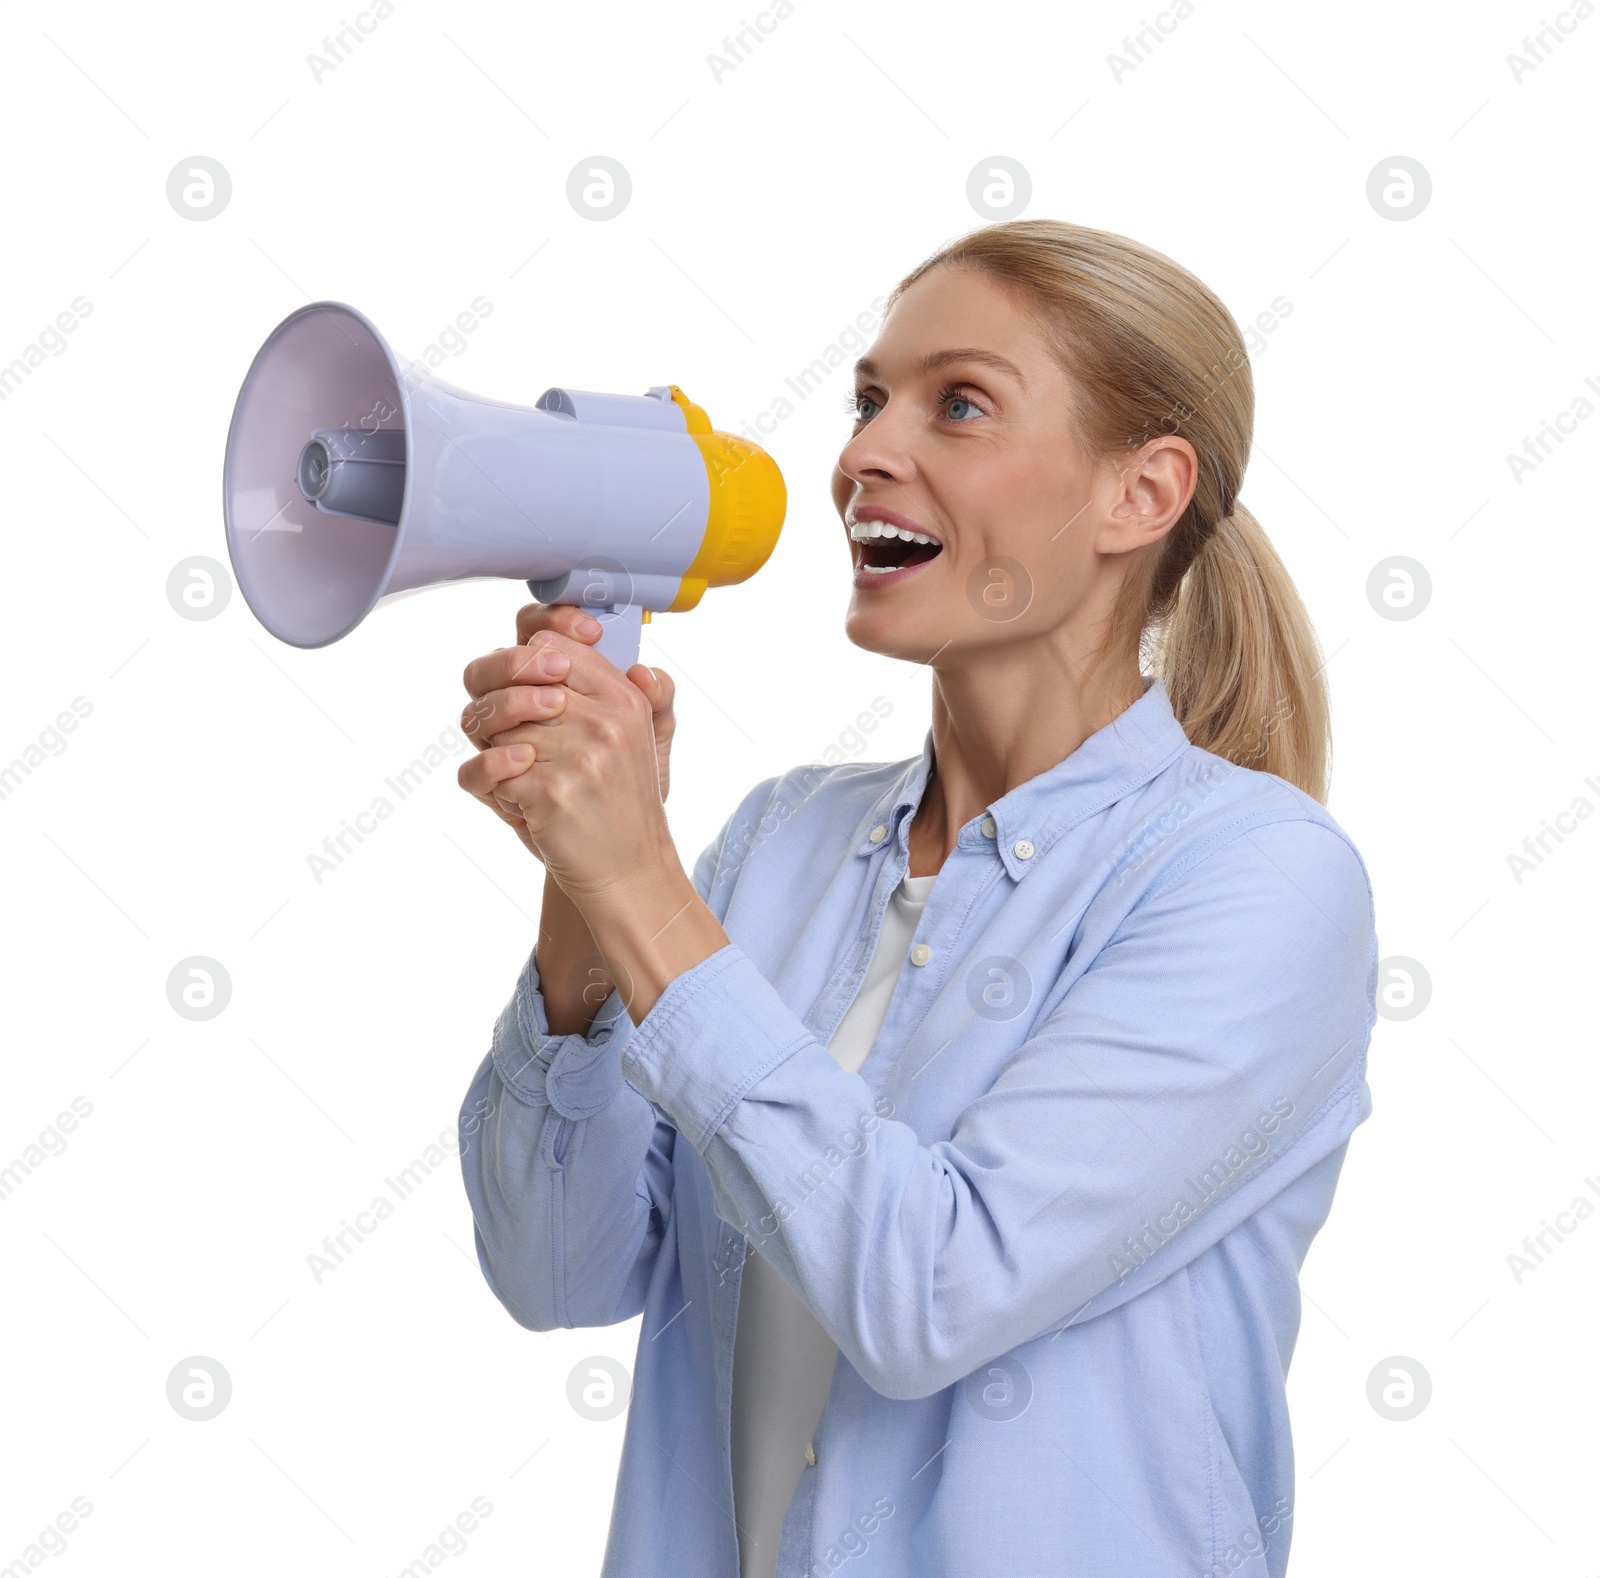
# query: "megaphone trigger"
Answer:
x=619 y=635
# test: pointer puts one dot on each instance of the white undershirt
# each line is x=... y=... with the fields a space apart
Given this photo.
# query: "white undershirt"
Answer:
x=782 y=1359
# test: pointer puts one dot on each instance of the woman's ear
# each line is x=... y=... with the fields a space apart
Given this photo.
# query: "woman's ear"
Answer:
x=1153 y=490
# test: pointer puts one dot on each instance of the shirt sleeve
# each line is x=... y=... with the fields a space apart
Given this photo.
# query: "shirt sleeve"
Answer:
x=567 y=1167
x=1211 y=1053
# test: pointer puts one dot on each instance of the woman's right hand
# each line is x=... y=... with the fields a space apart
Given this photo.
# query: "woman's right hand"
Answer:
x=515 y=712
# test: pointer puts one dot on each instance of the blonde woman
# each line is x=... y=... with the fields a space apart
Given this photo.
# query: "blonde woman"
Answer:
x=959 y=1125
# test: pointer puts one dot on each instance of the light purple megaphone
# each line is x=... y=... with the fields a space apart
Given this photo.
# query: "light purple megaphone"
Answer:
x=348 y=482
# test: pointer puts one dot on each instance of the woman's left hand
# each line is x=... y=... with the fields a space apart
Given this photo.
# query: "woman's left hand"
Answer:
x=591 y=794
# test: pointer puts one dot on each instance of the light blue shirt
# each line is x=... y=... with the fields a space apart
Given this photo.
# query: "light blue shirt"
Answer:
x=1055 y=1222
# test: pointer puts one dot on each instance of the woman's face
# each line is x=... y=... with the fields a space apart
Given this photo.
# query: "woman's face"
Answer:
x=961 y=435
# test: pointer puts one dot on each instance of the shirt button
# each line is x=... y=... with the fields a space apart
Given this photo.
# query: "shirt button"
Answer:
x=987 y=827
x=921 y=953
x=878 y=834
x=1022 y=849
x=811 y=1456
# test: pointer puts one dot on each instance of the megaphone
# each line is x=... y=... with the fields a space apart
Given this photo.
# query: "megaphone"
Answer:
x=349 y=481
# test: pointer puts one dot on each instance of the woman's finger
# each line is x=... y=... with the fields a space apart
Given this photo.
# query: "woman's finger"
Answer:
x=564 y=618
x=656 y=683
x=544 y=664
x=491 y=715
x=587 y=671
x=486 y=772
x=579 y=727
x=548 y=657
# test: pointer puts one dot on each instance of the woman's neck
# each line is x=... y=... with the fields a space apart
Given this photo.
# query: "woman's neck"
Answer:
x=1000 y=723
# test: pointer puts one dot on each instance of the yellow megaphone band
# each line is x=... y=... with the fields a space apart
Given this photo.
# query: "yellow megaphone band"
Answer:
x=748 y=502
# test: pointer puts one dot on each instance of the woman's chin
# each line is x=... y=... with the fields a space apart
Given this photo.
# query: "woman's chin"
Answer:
x=905 y=632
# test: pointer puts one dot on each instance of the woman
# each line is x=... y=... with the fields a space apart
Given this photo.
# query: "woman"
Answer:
x=960 y=1127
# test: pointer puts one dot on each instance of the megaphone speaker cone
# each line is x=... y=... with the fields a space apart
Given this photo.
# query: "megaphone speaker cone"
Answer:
x=311 y=575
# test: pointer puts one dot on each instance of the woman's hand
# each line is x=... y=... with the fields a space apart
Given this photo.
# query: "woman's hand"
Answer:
x=505 y=717
x=569 y=620
x=572 y=754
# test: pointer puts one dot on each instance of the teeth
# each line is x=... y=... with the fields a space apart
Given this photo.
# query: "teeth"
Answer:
x=865 y=531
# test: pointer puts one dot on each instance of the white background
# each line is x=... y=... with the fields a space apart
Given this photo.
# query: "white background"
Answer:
x=769 y=208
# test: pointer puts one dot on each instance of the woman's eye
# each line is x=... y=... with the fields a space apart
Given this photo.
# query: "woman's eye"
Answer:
x=954 y=397
x=856 y=404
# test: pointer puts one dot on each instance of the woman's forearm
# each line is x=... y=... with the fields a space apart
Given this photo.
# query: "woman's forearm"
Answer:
x=652 y=930
x=571 y=978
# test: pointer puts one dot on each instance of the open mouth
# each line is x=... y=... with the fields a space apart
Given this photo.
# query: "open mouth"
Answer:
x=884 y=547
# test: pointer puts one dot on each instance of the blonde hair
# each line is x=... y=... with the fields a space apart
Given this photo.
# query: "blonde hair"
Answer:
x=1212 y=609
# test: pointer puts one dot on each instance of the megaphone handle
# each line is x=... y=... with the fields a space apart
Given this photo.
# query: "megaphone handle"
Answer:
x=619 y=634
x=619 y=622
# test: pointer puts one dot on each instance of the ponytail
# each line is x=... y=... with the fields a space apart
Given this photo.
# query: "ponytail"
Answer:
x=1239 y=659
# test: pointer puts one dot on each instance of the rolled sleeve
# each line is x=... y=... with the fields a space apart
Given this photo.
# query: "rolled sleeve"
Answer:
x=739 y=1029
x=577 y=1073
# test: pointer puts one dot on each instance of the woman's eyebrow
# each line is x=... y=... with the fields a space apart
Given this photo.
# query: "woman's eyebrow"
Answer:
x=867 y=368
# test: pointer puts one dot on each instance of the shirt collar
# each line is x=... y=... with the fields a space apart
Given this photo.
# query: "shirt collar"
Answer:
x=1129 y=751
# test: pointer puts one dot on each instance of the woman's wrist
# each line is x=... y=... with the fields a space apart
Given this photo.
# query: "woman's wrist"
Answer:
x=573 y=980
x=650 y=930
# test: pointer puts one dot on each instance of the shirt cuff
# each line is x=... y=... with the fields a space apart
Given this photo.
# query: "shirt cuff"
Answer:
x=716 y=1030
x=574 y=1074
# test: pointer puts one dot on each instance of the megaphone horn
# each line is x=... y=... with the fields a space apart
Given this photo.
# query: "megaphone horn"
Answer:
x=348 y=482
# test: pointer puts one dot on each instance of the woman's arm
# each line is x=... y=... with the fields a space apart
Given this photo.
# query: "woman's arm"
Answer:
x=568 y=1170
x=1209 y=1055
x=567 y=1167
